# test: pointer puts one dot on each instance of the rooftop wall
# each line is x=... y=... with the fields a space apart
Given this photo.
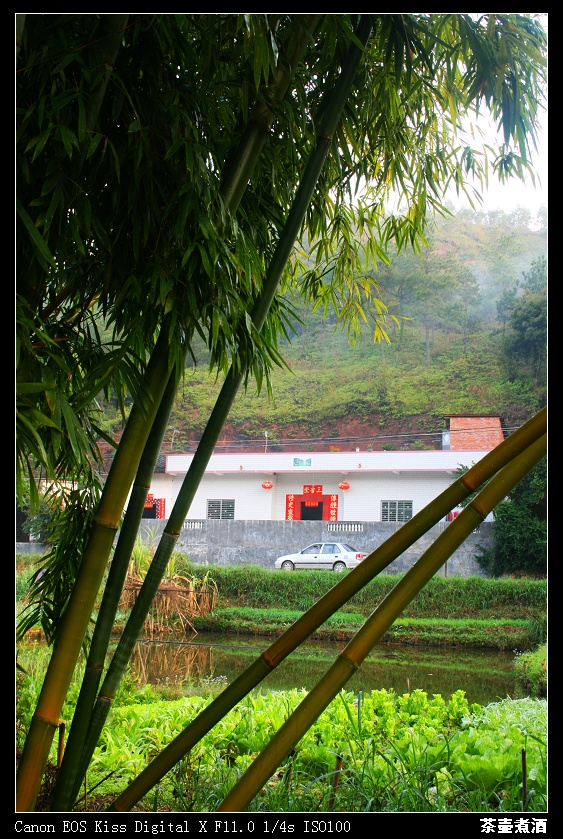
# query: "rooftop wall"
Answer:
x=475 y=433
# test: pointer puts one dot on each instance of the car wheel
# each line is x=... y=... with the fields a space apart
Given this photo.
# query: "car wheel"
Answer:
x=287 y=565
x=339 y=566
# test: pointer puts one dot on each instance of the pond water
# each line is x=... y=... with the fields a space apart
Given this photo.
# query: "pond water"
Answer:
x=485 y=675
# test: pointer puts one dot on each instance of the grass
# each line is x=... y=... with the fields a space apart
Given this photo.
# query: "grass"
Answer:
x=504 y=634
x=504 y=614
x=500 y=614
x=467 y=597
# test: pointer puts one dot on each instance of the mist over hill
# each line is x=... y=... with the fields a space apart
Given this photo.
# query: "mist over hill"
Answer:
x=453 y=349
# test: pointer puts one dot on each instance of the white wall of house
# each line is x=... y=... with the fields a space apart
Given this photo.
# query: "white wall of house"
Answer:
x=373 y=477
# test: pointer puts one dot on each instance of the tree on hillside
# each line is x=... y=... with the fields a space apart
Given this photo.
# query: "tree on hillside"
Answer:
x=520 y=531
x=432 y=287
x=535 y=280
x=166 y=165
x=525 y=316
x=505 y=304
x=525 y=342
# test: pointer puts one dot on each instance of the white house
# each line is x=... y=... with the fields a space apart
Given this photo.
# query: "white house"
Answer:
x=360 y=485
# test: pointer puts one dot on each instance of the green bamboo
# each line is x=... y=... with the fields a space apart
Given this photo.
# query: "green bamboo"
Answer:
x=60 y=670
x=257 y=131
x=350 y=659
x=110 y=47
x=327 y=605
x=97 y=551
x=85 y=730
x=224 y=402
x=83 y=596
x=71 y=771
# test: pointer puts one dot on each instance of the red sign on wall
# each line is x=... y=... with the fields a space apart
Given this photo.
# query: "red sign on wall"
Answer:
x=160 y=503
x=313 y=489
x=333 y=508
x=290 y=508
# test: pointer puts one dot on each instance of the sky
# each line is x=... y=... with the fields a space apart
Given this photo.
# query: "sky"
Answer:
x=515 y=193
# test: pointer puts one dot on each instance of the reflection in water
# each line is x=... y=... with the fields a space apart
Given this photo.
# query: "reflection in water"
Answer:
x=485 y=676
x=165 y=662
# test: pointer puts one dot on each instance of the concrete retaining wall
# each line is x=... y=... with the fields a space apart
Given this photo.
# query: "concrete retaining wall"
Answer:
x=210 y=542
x=244 y=542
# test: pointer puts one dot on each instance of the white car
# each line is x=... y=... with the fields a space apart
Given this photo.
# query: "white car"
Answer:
x=322 y=555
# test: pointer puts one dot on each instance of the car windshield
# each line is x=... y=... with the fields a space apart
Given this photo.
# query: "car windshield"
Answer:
x=349 y=549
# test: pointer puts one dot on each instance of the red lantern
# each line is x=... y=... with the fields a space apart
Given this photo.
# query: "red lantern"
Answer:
x=343 y=485
x=267 y=485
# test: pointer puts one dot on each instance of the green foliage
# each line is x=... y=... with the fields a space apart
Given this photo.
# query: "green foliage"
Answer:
x=51 y=584
x=520 y=532
x=467 y=597
x=23 y=578
x=408 y=752
x=535 y=280
x=32 y=661
x=526 y=339
x=126 y=230
x=400 y=753
x=516 y=725
x=531 y=671
x=38 y=523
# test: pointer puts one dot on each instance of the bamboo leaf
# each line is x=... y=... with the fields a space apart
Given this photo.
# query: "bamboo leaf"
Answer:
x=36 y=237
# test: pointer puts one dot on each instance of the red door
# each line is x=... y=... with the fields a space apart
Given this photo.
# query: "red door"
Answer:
x=295 y=505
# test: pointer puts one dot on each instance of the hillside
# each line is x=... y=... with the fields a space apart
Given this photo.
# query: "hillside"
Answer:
x=350 y=397
x=447 y=353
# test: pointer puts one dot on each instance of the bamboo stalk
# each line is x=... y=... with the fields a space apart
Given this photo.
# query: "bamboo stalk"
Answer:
x=85 y=731
x=350 y=659
x=347 y=586
x=72 y=770
x=224 y=402
x=61 y=744
x=83 y=596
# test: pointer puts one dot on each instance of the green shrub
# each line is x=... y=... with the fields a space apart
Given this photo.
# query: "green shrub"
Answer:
x=531 y=670
x=464 y=597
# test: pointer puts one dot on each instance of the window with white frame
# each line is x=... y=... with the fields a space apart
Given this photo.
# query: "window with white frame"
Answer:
x=396 y=511
x=221 y=508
